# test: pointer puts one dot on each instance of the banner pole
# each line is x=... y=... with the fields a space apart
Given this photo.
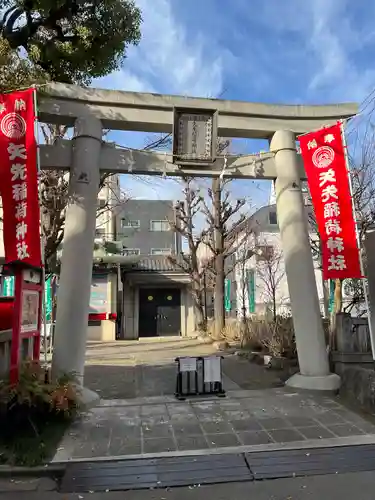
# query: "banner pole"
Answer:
x=42 y=246
x=363 y=280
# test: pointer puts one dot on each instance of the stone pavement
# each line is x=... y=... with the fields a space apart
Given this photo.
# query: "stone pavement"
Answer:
x=133 y=369
x=130 y=369
x=244 y=421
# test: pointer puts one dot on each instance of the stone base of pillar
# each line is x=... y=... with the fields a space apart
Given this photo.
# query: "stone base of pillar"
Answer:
x=329 y=382
x=87 y=398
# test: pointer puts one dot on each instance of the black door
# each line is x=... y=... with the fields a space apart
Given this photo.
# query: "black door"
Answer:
x=159 y=312
x=147 y=314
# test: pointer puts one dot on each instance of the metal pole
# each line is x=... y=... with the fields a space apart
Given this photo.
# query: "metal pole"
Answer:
x=372 y=338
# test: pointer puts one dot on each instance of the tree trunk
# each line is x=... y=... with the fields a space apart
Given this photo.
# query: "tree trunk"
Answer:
x=325 y=285
x=219 y=262
x=244 y=320
x=274 y=305
x=199 y=310
x=243 y=294
x=219 y=298
x=200 y=321
x=337 y=308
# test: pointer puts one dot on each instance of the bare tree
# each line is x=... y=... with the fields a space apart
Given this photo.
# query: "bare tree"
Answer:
x=270 y=273
x=54 y=197
x=205 y=259
x=242 y=257
x=185 y=224
x=221 y=222
x=223 y=219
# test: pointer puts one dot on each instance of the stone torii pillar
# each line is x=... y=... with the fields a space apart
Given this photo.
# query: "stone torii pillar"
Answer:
x=77 y=256
x=308 y=325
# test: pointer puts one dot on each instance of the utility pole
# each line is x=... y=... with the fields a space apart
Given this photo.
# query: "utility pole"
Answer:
x=219 y=259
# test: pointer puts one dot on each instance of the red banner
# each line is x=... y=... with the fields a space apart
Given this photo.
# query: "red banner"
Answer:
x=324 y=158
x=19 y=178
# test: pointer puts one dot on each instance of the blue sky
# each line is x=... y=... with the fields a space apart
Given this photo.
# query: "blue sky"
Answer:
x=277 y=51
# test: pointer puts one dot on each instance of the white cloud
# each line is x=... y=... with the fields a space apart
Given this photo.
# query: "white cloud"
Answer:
x=151 y=188
x=168 y=59
x=182 y=63
x=321 y=45
x=124 y=80
x=335 y=40
x=291 y=50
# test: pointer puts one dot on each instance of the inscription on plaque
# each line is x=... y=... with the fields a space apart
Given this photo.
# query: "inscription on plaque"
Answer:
x=195 y=136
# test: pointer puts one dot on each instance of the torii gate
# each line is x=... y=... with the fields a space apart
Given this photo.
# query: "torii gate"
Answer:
x=86 y=155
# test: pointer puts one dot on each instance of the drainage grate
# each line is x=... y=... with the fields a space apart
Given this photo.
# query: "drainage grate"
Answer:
x=211 y=469
x=317 y=461
x=154 y=473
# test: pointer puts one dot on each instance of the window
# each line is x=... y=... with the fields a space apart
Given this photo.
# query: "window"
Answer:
x=102 y=203
x=161 y=251
x=273 y=218
x=130 y=223
x=130 y=251
x=100 y=231
x=159 y=225
x=264 y=252
x=94 y=322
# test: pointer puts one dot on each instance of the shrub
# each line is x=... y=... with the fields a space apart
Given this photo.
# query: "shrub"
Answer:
x=279 y=338
x=263 y=334
x=275 y=336
x=35 y=400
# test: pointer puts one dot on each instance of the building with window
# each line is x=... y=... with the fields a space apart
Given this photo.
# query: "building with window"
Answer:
x=259 y=282
x=144 y=228
x=141 y=292
x=256 y=271
x=156 y=290
x=110 y=202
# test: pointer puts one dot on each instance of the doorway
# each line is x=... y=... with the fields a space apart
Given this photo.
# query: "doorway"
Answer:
x=159 y=312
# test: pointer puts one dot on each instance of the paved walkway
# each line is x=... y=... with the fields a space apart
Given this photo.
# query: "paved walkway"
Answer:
x=244 y=421
x=139 y=416
x=130 y=369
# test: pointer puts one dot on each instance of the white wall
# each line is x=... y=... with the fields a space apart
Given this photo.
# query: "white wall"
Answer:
x=263 y=230
x=271 y=274
x=111 y=196
x=263 y=295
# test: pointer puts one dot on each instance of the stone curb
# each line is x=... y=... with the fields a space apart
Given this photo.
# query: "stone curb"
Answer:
x=292 y=445
x=41 y=471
